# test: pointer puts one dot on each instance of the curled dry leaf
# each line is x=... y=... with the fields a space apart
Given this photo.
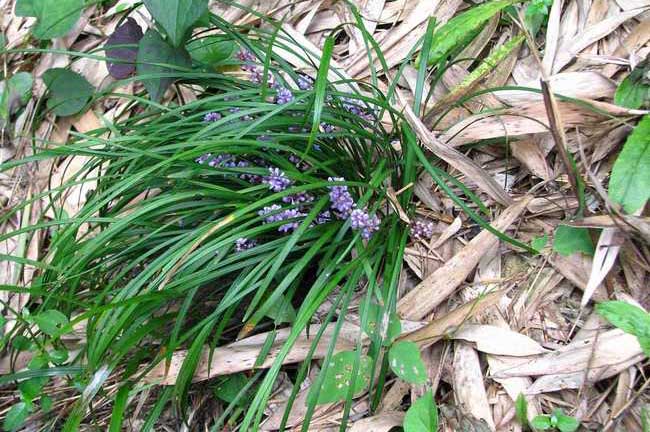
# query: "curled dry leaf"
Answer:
x=128 y=33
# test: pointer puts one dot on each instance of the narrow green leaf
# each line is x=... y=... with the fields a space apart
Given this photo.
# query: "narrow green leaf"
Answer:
x=569 y=240
x=153 y=54
x=405 y=361
x=422 y=416
x=55 y=17
x=460 y=30
x=630 y=181
x=50 y=321
x=177 y=16
x=338 y=378
x=69 y=91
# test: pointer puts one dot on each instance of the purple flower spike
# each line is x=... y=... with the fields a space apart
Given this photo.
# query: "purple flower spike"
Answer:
x=284 y=96
x=242 y=244
x=305 y=82
x=257 y=76
x=211 y=117
x=226 y=160
x=422 y=230
x=361 y=220
x=340 y=198
x=277 y=180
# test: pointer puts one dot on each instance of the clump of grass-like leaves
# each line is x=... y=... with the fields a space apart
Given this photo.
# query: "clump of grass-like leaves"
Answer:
x=241 y=212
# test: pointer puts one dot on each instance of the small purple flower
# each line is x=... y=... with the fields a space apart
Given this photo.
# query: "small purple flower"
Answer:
x=242 y=244
x=305 y=82
x=225 y=160
x=422 y=230
x=361 y=220
x=205 y=157
x=277 y=180
x=257 y=76
x=323 y=217
x=340 y=198
x=247 y=57
x=298 y=198
x=271 y=213
x=290 y=214
x=284 y=96
x=211 y=117
x=298 y=162
x=328 y=128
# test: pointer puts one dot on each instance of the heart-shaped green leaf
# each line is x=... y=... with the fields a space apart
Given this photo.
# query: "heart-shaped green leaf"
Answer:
x=16 y=416
x=630 y=181
x=56 y=17
x=153 y=54
x=569 y=240
x=405 y=361
x=176 y=16
x=24 y=8
x=69 y=91
x=422 y=416
x=339 y=376
x=211 y=50
x=50 y=321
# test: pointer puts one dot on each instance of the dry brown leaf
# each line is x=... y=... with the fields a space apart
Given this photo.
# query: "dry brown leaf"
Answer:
x=588 y=36
x=432 y=291
x=500 y=341
x=609 y=244
x=383 y=422
x=241 y=355
x=457 y=160
x=469 y=389
x=602 y=356
x=443 y=326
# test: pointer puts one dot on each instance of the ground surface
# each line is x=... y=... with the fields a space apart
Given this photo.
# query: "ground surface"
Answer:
x=573 y=359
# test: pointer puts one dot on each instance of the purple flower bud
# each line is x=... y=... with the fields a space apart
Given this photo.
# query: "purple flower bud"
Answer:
x=257 y=76
x=242 y=244
x=225 y=160
x=323 y=217
x=290 y=214
x=298 y=198
x=203 y=158
x=328 y=128
x=305 y=82
x=340 y=199
x=277 y=180
x=268 y=217
x=246 y=57
x=361 y=220
x=284 y=96
x=422 y=230
x=211 y=117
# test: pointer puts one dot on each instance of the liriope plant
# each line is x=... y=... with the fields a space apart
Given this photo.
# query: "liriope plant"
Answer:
x=241 y=212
